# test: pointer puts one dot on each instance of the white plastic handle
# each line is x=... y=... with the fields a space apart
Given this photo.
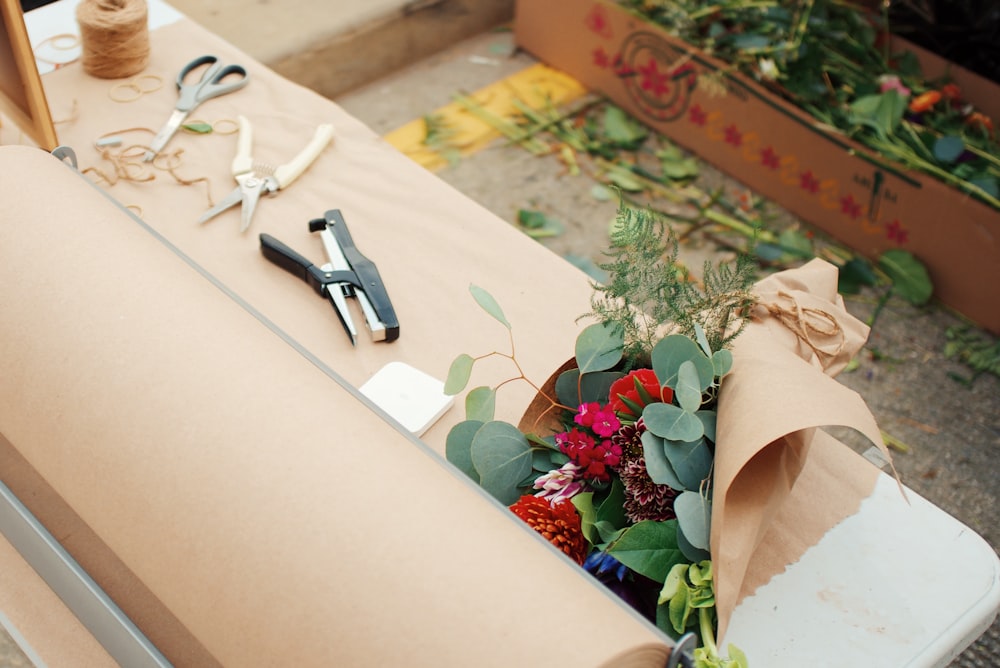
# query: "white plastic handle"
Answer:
x=243 y=162
x=287 y=173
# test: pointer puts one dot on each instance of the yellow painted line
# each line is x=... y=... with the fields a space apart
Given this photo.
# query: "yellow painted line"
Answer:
x=536 y=86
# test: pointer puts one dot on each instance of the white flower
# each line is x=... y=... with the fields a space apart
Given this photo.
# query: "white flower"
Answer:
x=768 y=69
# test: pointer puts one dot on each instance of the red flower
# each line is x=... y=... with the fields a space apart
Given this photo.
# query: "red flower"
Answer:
x=593 y=457
x=559 y=523
x=630 y=394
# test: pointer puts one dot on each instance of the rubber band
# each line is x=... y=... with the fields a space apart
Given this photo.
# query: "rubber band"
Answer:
x=137 y=87
x=232 y=127
x=61 y=42
x=119 y=97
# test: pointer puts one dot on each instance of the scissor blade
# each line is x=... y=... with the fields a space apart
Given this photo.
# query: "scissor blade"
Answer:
x=232 y=199
x=166 y=132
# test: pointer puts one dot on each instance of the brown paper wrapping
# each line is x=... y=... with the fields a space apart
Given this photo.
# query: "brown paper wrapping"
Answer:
x=259 y=502
x=771 y=406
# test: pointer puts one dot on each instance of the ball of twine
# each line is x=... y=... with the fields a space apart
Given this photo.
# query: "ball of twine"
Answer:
x=114 y=37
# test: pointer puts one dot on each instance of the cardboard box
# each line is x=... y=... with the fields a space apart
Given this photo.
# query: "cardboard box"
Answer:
x=781 y=152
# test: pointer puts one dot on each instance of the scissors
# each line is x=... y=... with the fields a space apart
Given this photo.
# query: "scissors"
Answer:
x=256 y=179
x=190 y=96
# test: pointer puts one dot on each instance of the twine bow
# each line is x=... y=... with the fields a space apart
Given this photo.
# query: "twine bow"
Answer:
x=808 y=323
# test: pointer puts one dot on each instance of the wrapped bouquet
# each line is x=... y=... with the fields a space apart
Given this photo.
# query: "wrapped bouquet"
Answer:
x=664 y=457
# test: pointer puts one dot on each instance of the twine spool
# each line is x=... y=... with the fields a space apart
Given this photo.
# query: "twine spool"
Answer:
x=114 y=37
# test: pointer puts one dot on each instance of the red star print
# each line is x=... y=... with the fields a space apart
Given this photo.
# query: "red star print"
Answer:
x=849 y=207
x=597 y=22
x=653 y=80
x=600 y=57
x=769 y=158
x=809 y=182
x=896 y=232
x=734 y=136
x=697 y=115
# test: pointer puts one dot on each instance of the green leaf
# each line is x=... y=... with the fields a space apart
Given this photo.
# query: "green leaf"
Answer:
x=595 y=387
x=502 y=457
x=199 y=128
x=694 y=518
x=488 y=304
x=690 y=552
x=621 y=129
x=692 y=461
x=909 y=276
x=480 y=404
x=458 y=447
x=948 y=148
x=855 y=273
x=680 y=611
x=882 y=112
x=671 y=351
x=709 y=419
x=598 y=348
x=537 y=225
x=688 y=392
x=612 y=508
x=584 y=504
x=796 y=243
x=648 y=548
x=722 y=363
x=657 y=465
x=458 y=374
x=702 y=340
x=672 y=422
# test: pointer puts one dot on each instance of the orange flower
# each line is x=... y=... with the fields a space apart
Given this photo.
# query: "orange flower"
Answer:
x=980 y=120
x=925 y=101
x=559 y=523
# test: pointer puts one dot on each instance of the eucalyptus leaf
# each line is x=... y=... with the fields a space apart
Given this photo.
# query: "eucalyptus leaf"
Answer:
x=458 y=447
x=648 y=548
x=480 y=404
x=657 y=465
x=599 y=347
x=502 y=457
x=694 y=518
x=672 y=422
x=458 y=374
x=722 y=362
x=948 y=148
x=692 y=461
x=709 y=419
x=671 y=351
x=621 y=129
x=796 y=243
x=690 y=552
x=595 y=387
x=688 y=392
x=909 y=276
x=488 y=304
x=702 y=340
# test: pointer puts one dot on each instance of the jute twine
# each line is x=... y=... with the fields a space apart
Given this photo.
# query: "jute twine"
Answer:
x=114 y=37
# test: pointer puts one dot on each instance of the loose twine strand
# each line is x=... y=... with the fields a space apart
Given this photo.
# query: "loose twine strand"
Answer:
x=807 y=323
x=114 y=37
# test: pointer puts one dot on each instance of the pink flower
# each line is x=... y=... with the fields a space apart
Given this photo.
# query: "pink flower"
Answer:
x=889 y=82
x=585 y=414
x=560 y=484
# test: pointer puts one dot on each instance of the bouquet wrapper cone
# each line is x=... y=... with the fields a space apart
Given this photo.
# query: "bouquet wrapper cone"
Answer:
x=780 y=481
